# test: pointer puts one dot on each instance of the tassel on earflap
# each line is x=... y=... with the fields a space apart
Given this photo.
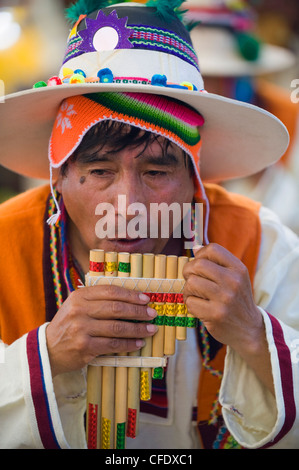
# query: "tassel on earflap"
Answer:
x=54 y=217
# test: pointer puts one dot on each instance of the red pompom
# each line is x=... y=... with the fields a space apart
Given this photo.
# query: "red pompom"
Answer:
x=54 y=81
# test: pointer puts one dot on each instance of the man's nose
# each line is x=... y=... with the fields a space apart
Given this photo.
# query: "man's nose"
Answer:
x=130 y=192
x=130 y=205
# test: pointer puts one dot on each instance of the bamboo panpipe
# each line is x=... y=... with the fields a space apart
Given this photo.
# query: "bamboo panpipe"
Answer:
x=146 y=373
x=115 y=384
x=181 y=331
x=94 y=374
x=134 y=372
x=108 y=376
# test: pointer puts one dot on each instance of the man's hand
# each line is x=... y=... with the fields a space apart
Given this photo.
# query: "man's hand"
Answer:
x=218 y=292
x=92 y=322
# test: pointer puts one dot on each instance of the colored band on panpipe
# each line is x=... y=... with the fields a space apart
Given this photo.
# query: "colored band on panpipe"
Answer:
x=163 y=283
x=96 y=267
x=92 y=426
x=171 y=310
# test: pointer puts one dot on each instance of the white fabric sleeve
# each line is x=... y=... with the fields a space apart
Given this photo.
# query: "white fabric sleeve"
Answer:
x=35 y=411
x=252 y=414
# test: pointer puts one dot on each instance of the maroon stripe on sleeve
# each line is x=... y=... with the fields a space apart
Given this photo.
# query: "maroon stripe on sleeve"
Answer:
x=38 y=392
x=286 y=373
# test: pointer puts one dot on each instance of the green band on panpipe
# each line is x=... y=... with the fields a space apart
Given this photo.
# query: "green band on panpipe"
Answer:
x=192 y=322
x=181 y=321
x=159 y=320
x=158 y=373
x=188 y=322
x=169 y=321
x=124 y=267
x=121 y=436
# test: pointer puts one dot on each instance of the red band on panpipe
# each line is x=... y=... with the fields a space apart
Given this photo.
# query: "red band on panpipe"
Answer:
x=96 y=267
x=131 y=423
x=92 y=426
x=166 y=297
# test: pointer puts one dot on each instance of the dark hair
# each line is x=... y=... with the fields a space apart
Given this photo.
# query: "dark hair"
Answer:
x=119 y=136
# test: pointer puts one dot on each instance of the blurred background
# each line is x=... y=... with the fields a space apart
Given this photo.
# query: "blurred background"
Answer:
x=247 y=50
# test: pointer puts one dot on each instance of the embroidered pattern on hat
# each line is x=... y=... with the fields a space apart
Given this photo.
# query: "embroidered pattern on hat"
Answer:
x=111 y=32
x=64 y=115
x=162 y=40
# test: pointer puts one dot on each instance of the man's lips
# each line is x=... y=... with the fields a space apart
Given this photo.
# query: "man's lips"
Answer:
x=125 y=244
x=124 y=239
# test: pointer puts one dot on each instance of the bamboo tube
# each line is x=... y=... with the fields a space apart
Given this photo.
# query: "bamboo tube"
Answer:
x=170 y=308
x=181 y=331
x=93 y=408
x=110 y=263
x=121 y=374
x=158 y=339
x=96 y=263
x=146 y=373
x=94 y=373
x=108 y=376
x=134 y=372
x=191 y=319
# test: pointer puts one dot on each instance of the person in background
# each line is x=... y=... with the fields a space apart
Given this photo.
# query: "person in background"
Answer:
x=236 y=63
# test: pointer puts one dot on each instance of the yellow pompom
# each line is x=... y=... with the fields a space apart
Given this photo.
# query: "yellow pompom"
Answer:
x=189 y=85
x=67 y=72
x=77 y=78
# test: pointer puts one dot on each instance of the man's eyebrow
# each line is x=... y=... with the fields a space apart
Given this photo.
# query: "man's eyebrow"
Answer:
x=95 y=157
x=166 y=159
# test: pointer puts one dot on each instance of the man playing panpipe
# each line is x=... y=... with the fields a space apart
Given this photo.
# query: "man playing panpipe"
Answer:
x=143 y=127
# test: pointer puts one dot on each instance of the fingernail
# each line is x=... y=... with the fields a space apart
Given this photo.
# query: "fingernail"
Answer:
x=152 y=328
x=144 y=298
x=140 y=343
x=196 y=248
x=151 y=312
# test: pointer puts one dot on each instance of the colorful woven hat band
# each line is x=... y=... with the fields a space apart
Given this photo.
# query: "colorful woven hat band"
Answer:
x=163 y=116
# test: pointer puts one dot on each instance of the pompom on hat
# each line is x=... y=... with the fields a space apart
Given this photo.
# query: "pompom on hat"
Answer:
x=133 y=48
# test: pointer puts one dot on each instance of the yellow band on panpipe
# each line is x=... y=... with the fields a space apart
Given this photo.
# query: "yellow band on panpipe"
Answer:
x=160 y=278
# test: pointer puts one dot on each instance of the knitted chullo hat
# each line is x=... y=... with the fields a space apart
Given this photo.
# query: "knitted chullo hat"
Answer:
x=154 y=113
x=158 y=114
x=131 y=48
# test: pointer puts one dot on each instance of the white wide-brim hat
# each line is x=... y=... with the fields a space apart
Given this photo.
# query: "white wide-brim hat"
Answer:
x=130 y=48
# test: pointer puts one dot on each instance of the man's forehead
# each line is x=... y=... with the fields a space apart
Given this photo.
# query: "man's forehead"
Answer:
x=158 y=150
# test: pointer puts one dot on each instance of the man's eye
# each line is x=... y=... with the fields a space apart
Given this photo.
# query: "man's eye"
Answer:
x=100 y=172
x=156 y=173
